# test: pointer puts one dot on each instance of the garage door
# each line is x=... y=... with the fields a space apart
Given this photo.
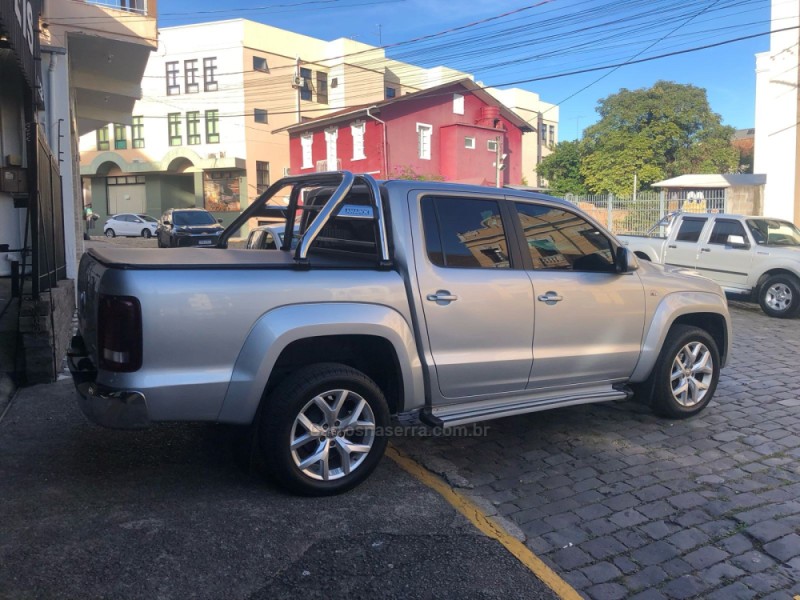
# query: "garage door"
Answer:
x=126 y=195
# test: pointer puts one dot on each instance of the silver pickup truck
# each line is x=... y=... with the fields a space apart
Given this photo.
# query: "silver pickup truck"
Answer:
x=428 y=302
x=754 y=258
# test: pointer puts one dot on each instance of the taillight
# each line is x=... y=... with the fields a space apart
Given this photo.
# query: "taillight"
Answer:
x=119 y=333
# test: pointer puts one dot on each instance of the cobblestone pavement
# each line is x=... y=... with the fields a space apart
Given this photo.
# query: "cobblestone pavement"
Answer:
x=623 y=504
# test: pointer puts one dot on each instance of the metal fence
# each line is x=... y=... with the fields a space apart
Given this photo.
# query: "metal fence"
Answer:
x=626 y=214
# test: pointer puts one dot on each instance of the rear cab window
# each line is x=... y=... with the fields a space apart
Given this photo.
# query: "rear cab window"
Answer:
x=690 y=229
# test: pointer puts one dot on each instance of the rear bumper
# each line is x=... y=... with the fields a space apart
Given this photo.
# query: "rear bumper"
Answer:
x=114 y=408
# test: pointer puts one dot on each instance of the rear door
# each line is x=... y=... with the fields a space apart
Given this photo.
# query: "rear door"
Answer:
x=477 y=303
x=683 y=247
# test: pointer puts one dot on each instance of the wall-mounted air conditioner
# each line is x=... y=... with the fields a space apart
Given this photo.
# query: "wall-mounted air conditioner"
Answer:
x=297 y=81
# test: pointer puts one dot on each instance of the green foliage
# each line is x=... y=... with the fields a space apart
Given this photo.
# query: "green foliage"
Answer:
x=562 y=170
x=658 y=132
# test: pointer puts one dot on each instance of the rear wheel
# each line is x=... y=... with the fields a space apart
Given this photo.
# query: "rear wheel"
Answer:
x=146 y=233
x=320 y=429
x=779 y=296
x=686 y=373
x=110 y=233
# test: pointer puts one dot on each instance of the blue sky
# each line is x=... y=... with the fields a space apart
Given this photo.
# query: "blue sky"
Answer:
x=540 y=39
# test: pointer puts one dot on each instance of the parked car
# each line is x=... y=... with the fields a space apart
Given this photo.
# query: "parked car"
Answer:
x=756 y=259
x=130 y=225
x=438 y=303
x=269 y=237
x=188 y=227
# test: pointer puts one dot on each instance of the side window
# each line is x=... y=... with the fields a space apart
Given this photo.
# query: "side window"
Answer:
x=269 y=242
x=723 y=228
x=559 y=239
x=464 y=233
x=690 y=229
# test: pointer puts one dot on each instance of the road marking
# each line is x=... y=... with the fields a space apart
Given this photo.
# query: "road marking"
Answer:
x=486 y=525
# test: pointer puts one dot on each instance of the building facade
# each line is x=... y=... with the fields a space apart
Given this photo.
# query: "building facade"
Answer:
x=81 y=65
x=455 y=132
x=214 y=93
x=777 y=143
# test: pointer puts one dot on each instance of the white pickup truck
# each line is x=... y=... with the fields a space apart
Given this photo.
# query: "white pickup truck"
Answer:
x=441 y=303
x=755 y=258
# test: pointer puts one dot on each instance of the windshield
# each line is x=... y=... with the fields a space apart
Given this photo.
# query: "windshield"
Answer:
x=772 y=232
x=147 y=218
x=192 y=218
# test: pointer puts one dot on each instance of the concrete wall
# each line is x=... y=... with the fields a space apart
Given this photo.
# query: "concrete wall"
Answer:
x=45 y=332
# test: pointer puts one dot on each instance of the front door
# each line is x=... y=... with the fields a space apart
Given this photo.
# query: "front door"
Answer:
x=723 y=262
x=478 y=310
x=589 y=318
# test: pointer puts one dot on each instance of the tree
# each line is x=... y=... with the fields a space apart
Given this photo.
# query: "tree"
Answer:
x=562 y=169
x=662 y=131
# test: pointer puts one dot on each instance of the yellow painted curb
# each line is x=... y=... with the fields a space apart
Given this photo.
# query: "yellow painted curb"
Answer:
x=486 y=525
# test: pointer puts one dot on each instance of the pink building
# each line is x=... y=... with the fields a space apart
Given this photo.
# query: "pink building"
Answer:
x=456 y=131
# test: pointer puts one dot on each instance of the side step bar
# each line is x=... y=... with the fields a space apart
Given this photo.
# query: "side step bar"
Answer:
x=465 y=413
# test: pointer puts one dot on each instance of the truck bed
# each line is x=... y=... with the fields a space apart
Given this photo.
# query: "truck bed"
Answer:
x=219 y=258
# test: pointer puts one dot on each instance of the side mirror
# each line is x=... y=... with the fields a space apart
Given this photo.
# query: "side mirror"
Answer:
x=625 y=260
x=167 y=223
x=219 y=221
x=738 y=242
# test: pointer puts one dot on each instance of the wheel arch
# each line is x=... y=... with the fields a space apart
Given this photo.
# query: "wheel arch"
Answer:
x=643 y=255
x=371 y=338
x=700 y=309
x=762 y=279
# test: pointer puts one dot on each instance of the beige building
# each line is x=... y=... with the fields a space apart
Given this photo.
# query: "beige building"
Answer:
x=213 y=94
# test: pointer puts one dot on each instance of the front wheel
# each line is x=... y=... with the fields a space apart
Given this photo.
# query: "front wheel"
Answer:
x=779 y=296
x=686 y=373
x=320 y=429
x=110 y=233
x=147 y=234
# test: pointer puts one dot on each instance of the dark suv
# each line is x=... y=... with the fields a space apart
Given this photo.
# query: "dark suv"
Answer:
x=188 y=227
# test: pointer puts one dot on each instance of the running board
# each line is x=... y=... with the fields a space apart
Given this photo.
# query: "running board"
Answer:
x=472 y=412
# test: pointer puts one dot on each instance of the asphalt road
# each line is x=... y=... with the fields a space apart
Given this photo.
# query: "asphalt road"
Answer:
x=167 y=513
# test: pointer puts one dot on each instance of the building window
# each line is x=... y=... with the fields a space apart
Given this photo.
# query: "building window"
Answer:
x=190 y=76
x=491 y=145
x=175 y=137
x=306 y=142
x=458 y=104
x=322 y=87
x=102 y=138
x=120 y=137
x=260 y=64
x=357 y=129
x=424 y=134
x=469 y=143
x=262 y=177
x=173 y=88
x=212 y=127
x=137 y=132
x=210 y=74
x=391 y=92
x=193 y=128
x=543 y=135
x=330 y=148
x=260 y=115
x=552 y=135
x=305 y=89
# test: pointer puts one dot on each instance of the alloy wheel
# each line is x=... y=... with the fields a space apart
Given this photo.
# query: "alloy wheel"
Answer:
x=691 y=374
x=778 y=297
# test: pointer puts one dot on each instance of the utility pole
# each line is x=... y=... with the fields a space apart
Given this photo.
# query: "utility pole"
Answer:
x=499 y=165
x=380 y=37
x=634 y=185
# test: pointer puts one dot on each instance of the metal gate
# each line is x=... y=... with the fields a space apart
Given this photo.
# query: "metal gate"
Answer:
x=46 y=213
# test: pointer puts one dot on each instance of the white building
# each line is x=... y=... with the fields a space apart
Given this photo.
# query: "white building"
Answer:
x=778 y=114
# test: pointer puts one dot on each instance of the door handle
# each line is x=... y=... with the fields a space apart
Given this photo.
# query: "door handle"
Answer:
x=705 y=249
x=672 y=246
x=442 y=297
x=550 y=298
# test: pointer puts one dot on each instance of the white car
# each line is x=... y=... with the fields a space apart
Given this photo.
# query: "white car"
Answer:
x=131 y=225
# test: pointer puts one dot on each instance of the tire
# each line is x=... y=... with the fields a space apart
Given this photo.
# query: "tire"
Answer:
x=110 y=233
x=147 y=234
x=327 y=462
x=668 y=399
x=779 y=296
